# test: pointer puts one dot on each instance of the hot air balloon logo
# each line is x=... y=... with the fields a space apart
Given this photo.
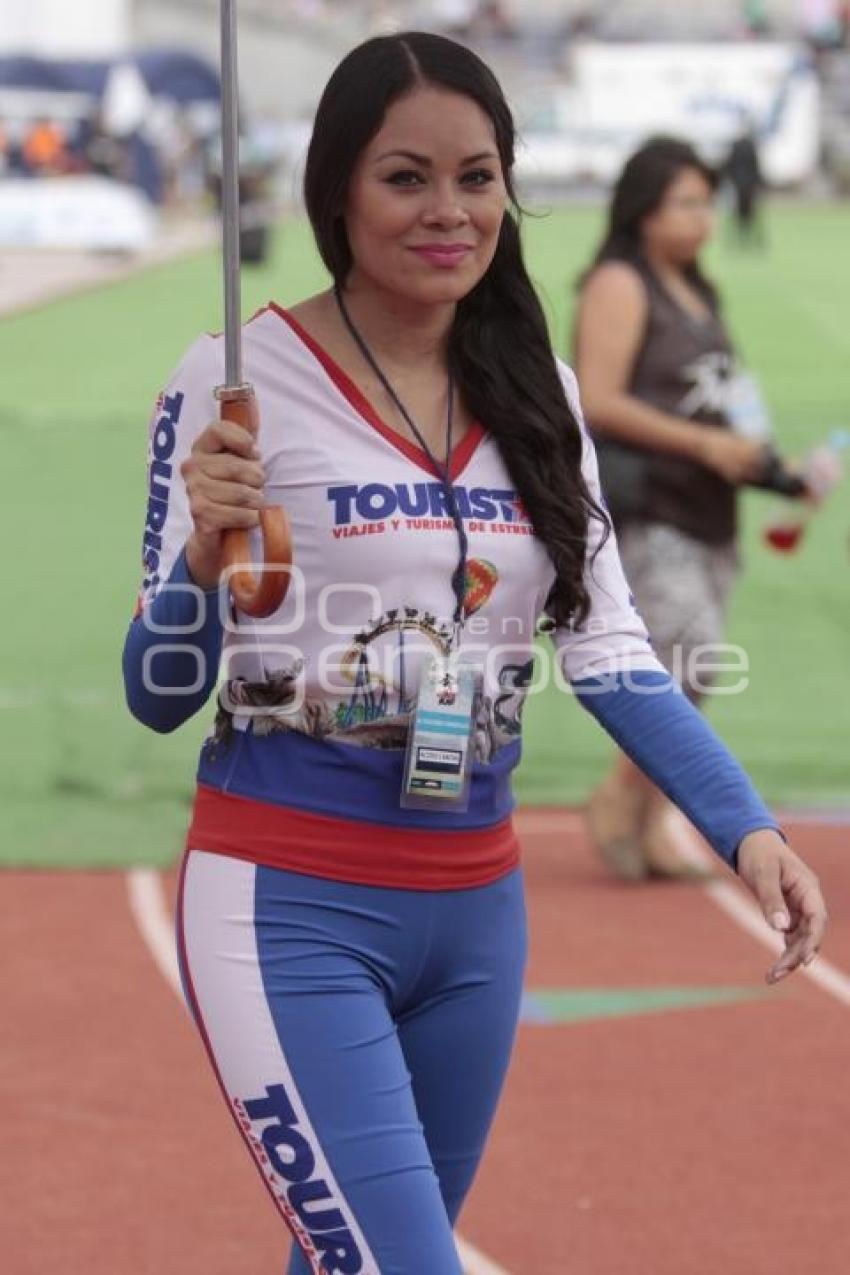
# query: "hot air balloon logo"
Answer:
x=480 y=581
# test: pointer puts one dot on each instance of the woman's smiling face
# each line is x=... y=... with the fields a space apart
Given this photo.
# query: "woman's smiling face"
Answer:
x=426 y=198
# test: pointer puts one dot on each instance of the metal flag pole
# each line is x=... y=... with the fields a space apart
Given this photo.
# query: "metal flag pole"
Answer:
x=256 y=596
x=230 y=193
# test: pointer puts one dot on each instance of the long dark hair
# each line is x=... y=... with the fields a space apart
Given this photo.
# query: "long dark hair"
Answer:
x=639 y=190
x=499 y=350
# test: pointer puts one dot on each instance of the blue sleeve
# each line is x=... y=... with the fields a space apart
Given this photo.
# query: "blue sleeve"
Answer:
x=168 y=673
x=653 y=722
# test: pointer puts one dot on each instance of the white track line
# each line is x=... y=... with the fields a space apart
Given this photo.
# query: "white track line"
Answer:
x=153 y=920
x=728 y=896
x=475 y=1263
x=746 y=913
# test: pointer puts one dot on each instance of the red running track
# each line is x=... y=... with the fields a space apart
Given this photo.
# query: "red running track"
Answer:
x=687 y=1142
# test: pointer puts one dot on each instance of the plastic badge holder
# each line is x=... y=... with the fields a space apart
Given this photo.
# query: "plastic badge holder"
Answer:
x=438 y=765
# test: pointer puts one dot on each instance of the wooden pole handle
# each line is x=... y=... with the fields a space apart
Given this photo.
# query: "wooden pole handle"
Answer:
x=261 y=595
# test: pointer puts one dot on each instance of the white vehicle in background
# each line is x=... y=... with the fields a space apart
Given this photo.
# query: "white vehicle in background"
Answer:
x=616 y=95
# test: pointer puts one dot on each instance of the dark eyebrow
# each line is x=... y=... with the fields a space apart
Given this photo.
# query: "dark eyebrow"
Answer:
x=426 y=163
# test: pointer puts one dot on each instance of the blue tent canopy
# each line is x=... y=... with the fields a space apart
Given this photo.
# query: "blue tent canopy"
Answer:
x=55 y=77
x=173 y=73
x=181 y=76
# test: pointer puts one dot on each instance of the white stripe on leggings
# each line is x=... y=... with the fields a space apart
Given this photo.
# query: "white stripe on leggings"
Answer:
x=224 y=971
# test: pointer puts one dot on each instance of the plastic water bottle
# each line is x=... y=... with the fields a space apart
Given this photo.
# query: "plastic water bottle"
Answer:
x=746 y=409
x=821 y=471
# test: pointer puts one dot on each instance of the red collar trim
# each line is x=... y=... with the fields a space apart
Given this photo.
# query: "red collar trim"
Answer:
x=461 y=454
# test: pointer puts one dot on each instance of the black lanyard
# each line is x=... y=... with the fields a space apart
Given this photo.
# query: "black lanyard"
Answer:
x=443 y=471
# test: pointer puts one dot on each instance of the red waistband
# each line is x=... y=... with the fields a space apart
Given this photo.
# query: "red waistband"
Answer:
x=344 y=850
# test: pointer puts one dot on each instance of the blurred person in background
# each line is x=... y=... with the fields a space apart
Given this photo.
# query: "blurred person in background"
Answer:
x=44 y=153
x=656 y=366
x=755 y=18
x=492 y=21
x=821 y=24
x=103 y=153
x=742 y=171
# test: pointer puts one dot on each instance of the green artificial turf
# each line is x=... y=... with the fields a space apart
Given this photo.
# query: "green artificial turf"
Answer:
x=82 y=783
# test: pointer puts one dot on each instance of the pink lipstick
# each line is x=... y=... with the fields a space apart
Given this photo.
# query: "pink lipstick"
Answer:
x=444 y=256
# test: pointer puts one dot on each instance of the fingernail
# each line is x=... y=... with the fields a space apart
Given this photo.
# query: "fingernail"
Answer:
x=779 y=920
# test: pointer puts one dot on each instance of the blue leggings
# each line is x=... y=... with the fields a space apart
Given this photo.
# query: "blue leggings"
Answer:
x=361 y=1037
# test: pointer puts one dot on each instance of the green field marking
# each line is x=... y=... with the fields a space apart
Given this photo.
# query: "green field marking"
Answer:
x=82 y=784
x=551 y=1008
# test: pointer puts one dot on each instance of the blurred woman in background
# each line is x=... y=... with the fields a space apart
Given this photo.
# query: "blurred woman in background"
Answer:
x=657 y=370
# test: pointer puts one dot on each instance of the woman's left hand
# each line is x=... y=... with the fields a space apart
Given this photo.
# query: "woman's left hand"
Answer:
x=788 y=894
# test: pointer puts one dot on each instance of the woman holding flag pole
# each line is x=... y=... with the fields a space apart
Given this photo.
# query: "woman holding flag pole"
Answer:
x=351 y=916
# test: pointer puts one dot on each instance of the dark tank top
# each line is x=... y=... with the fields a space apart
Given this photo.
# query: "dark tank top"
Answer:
x=684 y=367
